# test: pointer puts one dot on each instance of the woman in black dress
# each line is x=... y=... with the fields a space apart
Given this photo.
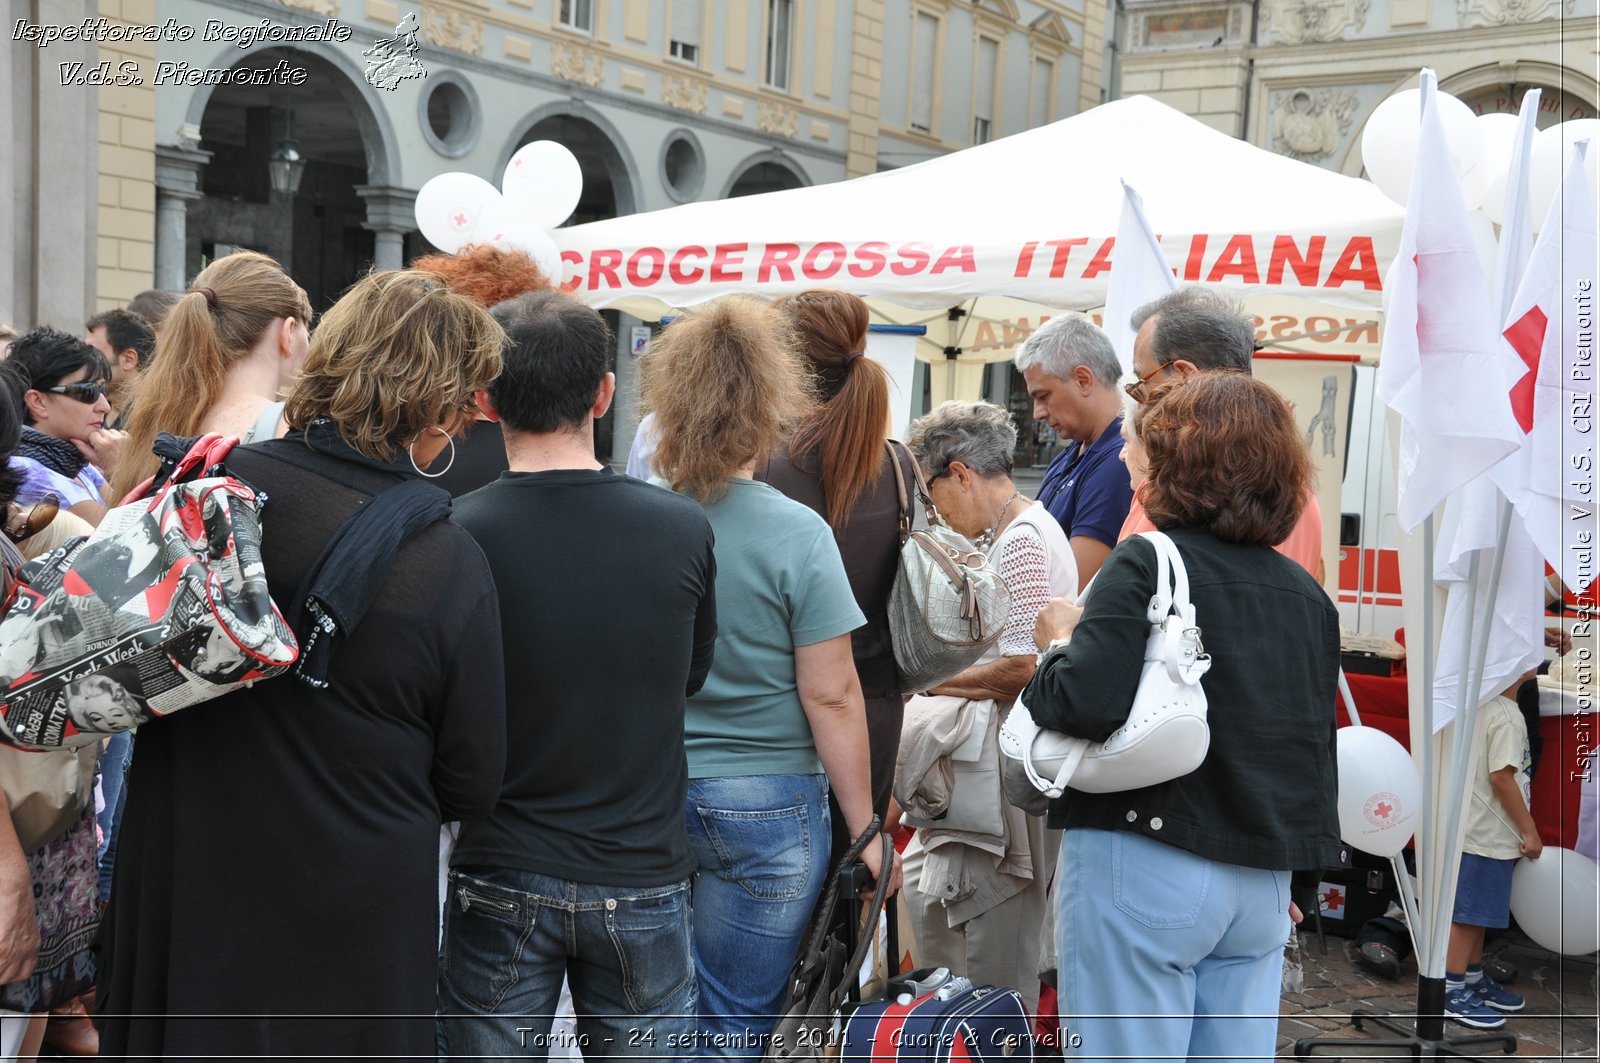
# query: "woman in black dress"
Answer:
x=276 y=883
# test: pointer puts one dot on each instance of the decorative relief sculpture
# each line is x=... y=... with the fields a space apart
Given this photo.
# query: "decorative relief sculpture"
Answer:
x=450 y=29
x=1509 y=12
x=1310 y=125
x=777 y=119
x=686 y=94
x=325 y=8
x=572 y=62
x=1312 y=21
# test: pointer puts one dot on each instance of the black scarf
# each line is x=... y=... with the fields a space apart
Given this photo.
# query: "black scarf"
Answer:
x=347 y=575
x=57 y=455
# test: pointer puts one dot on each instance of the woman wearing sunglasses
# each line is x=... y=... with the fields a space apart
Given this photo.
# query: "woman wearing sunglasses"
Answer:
x=60 y=385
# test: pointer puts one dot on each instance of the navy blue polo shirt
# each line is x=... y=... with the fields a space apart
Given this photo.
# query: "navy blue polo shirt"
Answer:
x=1086 y=488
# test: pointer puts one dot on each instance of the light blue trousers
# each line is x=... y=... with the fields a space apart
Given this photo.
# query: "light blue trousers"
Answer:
x=1165 y=955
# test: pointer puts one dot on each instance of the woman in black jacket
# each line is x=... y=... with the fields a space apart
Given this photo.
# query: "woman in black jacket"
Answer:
x=1174 y=899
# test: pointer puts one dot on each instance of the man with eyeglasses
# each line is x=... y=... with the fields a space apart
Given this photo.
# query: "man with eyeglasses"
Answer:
x=1072 y=374
x=1200 y=330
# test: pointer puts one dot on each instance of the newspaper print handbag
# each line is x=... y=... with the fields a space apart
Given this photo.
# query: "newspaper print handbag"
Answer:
x=164 y=606
x=947 y=605
x=1166 y=736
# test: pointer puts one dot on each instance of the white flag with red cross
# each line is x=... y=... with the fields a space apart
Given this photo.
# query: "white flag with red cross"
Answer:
x=1552 y=478
x=1439 y=370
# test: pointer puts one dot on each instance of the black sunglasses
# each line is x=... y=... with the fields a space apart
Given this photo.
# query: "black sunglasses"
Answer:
x=87 y=391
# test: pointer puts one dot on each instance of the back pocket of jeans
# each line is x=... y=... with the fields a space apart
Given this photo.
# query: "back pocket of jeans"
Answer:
x=1157 y=884
x=484 y=935
x=651 y=936
x=766 y=852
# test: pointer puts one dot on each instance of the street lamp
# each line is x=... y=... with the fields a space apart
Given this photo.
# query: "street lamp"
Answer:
x=287 y=165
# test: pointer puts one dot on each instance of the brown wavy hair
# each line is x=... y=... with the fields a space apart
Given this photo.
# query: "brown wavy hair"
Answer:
x=486 y=274
x=726 y=383
x=203 y=336
x=1224 y=454
x=847 y=431
x=398 y=354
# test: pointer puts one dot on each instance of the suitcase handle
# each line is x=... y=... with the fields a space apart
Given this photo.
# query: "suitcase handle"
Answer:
x=917 y=983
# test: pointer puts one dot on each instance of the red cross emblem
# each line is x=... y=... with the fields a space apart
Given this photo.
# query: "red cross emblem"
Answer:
x=1383 y=809
x=1333 y=900
x=1526 y=336
x=459 y=219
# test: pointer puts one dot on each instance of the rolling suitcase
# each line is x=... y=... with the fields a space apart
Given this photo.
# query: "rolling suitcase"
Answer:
x=931 y=1017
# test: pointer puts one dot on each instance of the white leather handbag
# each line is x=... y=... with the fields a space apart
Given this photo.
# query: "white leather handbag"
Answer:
x=1166 y=735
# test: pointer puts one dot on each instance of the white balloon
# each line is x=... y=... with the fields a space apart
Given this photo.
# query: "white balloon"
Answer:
x=544 y=178
x=1380 y=794
x=448 y=208
x=1553 y=901
x=1552 y=151
x=1389 y=144
x=506 y=225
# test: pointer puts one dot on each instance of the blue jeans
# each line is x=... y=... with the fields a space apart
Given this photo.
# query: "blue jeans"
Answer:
x=761 y=849
x=1167 y=955
x=113 y=767
x=511 y=936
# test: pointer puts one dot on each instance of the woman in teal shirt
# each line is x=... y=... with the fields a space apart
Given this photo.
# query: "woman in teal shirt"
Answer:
x=780 y=718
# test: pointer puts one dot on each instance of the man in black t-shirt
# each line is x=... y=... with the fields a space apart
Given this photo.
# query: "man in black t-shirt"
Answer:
x=608 y=613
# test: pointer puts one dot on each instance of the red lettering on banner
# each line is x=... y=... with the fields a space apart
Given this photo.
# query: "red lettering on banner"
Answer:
x=1019 y=332
x=1361 y=333
x=1025 y=259
x=1285 y=255
x=779 y=259
x=684 y=276
x=1101 y=262
x=1197 y=250
x=985 y=337
x=956 y=258
x=870 y=259
x=1058 y=266
x=636 y=274
x=1322 y=329
x=1237 y=259
x=603 y=266
x=810 y=267
x=727 y=256
x=1359 y=262
x=572 y=258
x=914 y=258
x=1283 y=325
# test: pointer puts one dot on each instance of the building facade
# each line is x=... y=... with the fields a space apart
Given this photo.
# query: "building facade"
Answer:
x=663 y=102
x=1301 y=77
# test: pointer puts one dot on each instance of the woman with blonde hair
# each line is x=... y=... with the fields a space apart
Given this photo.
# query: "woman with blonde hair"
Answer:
x=312 y=803
x=780 y=719
x=227 y=349
x=836 y=463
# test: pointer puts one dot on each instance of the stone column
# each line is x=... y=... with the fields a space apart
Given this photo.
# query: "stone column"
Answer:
x=391 y=214
x=177 y=185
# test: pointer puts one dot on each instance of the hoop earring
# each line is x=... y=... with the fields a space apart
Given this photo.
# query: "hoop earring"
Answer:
x=448 y=439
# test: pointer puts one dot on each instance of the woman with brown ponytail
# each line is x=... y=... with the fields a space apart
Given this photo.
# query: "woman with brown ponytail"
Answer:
x=836 y=463
x=227 y=349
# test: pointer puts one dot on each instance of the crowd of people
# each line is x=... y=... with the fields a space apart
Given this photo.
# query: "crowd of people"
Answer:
x=658 y=706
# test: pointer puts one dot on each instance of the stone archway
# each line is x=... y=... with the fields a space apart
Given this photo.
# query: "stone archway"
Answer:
x=325 y=232
x=768 y=171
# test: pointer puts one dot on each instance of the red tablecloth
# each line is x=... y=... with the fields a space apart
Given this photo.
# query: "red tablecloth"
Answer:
x=1381 y=703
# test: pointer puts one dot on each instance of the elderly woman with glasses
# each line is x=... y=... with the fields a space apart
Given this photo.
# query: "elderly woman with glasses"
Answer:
x=980 y=917
x=60 y=385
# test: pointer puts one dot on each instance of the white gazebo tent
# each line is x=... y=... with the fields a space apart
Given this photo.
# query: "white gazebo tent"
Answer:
x=1009 y=230
x=982 y=245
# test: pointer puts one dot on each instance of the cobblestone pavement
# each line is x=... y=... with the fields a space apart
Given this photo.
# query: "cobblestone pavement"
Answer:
x=1558 y=1023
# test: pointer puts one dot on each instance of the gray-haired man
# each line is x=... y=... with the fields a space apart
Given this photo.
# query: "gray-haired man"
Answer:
x=1072 y=375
